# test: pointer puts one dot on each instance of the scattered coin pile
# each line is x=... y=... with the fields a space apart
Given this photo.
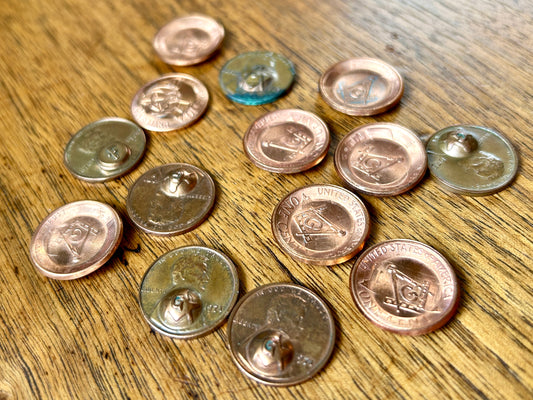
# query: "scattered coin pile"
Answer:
x=279 y=334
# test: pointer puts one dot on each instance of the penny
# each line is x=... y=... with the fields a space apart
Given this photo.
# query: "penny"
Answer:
x=188 y=292
x=105 y=149
x=75 y=239
x=405 y=287
x=188 y=40
x=472 y=160
x=171 y=199
x=287 y=141
x=170 y=102
x=361 y=86
x=281 y=334
x=257 y=77
x=381 y=159
x=321 y=224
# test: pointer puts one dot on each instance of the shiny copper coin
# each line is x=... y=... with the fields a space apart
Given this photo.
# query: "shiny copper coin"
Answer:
x=381 y=159
x=361 y=86
x=281 y=334
x=171 y=199
x=170 y=102
x=75 y=239
x=287 y=141
x=188 y=292
x=321 y=224
x=188 y=40
x=405 y=287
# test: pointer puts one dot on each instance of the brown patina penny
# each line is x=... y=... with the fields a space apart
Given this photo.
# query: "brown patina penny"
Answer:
x=287 y=141
x=321 y=224
x=188 y=40
x=170 y=102
x=171 y=199
x=405 y=287
x=361 y=86
x=281 y=334
x=75 y=239
x=381 y=159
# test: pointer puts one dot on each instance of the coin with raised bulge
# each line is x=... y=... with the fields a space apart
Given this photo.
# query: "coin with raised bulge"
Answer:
x=472 y=160
x=381 y=159
x=321 y=224
x=170 y=102
x=75 y=239
x=171 y=199
x=287 y=141
x=188 y=292
x=188 y=40
x=361 y=86
x=281 y=334
x=105 y=149
x=405 y=287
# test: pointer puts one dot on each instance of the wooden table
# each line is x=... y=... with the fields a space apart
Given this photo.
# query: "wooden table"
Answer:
x=66 y=63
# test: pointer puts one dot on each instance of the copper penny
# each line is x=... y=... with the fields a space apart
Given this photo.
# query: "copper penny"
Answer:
x=281 y=334
x=170 y=102
x=361 y=86
x=188 y=292
x=321 y=224
x=381 y=159
x=287 y=141
x=75 y=239
x=171 y=199
x=405 y=287
x=188 y=40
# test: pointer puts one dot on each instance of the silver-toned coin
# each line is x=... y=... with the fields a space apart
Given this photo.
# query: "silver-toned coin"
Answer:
x=171 y=199
x=188 y=292
x=281 y=334
x=105 y=149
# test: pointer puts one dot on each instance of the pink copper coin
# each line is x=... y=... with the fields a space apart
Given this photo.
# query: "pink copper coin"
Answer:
x=170 y=102
x=405 y=287
x=76 y=239
x=321 y=224
x=361 y=86
x=381 y=159
x=188 y=40
x=287 y=141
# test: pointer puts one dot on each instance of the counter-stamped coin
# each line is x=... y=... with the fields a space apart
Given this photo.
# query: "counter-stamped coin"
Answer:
x=75 y=239
x=281 y=334
x=405 y=287
x=321 y=224
x=105 y=149
x=170 y=102
x=188 y=292
x=472 y=160
x=171 y=199
x=381 y=159
x=188 y=40
x=361 y=86
x=287 y=141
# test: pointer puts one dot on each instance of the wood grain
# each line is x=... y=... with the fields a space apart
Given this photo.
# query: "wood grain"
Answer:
x=66 y=63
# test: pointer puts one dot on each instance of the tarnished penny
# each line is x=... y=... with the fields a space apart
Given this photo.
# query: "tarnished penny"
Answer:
x=189 y=291
x=321 y=224
x=361 y=86
x=188 y=40
x=405 y=287
x=105 y=149
x=281 y=334
x=171 y=199
x=287 y=141
x=472 y=160
x=75 y=239
x=170 y=102
x=381 y=159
